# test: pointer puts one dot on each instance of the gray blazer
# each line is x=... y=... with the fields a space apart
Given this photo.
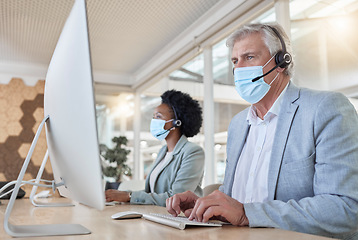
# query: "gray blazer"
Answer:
x=183 y=172
x=313 y=173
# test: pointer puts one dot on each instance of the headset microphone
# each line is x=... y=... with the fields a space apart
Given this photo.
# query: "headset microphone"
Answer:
x=160 y=134
x=176 y=123
x=263 y=75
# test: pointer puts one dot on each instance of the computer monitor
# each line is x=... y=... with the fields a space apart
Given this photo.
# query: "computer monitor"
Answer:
x=71 y=129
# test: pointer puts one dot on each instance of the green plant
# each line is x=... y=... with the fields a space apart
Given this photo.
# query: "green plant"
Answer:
x=114 y=159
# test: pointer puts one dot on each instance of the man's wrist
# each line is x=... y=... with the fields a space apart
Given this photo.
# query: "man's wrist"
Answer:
x=245 y=219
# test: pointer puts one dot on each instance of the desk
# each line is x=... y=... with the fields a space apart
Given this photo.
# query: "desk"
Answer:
x=103 y=227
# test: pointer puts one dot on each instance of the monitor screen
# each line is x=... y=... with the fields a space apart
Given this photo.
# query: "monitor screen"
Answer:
x=71 y=129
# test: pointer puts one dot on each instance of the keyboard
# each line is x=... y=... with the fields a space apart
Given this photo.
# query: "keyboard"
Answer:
x=179 y=222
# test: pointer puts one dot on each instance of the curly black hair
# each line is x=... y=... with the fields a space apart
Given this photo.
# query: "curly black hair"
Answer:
x=187 y=110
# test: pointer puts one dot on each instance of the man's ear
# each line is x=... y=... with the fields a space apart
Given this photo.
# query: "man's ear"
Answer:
x=280 y=69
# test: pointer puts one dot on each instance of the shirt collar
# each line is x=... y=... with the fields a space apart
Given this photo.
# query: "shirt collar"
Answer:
x=252 y=117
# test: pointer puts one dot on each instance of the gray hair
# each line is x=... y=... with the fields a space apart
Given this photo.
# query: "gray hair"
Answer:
x=269 y=37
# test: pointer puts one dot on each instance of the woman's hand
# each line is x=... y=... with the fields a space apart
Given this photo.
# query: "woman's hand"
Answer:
x=116 y=195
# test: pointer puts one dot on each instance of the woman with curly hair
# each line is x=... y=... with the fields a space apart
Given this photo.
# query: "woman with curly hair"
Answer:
x=179 y=166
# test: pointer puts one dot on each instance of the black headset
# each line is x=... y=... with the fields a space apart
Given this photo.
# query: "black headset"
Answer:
x=176 y=122
x=282 y=57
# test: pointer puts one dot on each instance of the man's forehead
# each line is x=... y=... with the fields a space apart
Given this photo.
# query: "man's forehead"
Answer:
x=249 y=44
x=254 y=37
x=247 y=50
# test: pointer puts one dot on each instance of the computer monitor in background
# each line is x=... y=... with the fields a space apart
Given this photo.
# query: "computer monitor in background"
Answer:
x=71 y=129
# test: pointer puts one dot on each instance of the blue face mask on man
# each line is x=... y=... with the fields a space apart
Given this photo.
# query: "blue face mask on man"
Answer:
x=157 y=128
x=250 y=91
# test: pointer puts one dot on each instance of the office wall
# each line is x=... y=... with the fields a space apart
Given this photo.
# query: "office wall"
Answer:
x=21 y=112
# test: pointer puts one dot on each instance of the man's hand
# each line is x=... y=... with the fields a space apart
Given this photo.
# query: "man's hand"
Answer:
x=181 y=202
x=219 y=206
x=115 y=195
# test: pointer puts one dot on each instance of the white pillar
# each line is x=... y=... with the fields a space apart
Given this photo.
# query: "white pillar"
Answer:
x=138 y=163
x=208 y=116
x=282 y=10
x=123 y=124
x=109 y=128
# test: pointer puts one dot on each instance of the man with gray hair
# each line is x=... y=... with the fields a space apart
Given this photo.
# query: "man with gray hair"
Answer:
x=292 y=156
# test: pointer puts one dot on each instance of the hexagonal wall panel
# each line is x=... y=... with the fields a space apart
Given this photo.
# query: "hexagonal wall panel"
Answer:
x=3 y=105
x=39 y=114
x=15 y=99
x=16 y=85
x=14 y=128
x=2 y=91
x=21 y=113
x=29 y=93
x=40 y=86
x=14 y=114
x=3 y=134
x=4 y=121
x=2 y=177
x=24 y=149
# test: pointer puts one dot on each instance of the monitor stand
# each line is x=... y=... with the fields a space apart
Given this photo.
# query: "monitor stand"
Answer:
x=33 y=197
x=37 y=230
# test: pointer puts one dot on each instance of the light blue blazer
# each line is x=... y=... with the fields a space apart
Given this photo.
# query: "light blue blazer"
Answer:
x=183 y=172
x=313 y=172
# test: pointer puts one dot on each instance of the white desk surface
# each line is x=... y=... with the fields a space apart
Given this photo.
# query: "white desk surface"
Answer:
x=103 y=227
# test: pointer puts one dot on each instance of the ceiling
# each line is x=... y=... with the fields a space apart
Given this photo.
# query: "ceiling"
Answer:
x=131 y=40
x=124 y=34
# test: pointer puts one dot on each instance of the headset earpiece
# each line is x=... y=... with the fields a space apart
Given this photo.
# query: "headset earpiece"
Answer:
x=282 y=59
x=176 y=123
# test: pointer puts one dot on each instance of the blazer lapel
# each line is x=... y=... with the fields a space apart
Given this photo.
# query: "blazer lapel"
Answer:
x=160 y=156
x=180 y=144
x=237 y=140
x=285 y=118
